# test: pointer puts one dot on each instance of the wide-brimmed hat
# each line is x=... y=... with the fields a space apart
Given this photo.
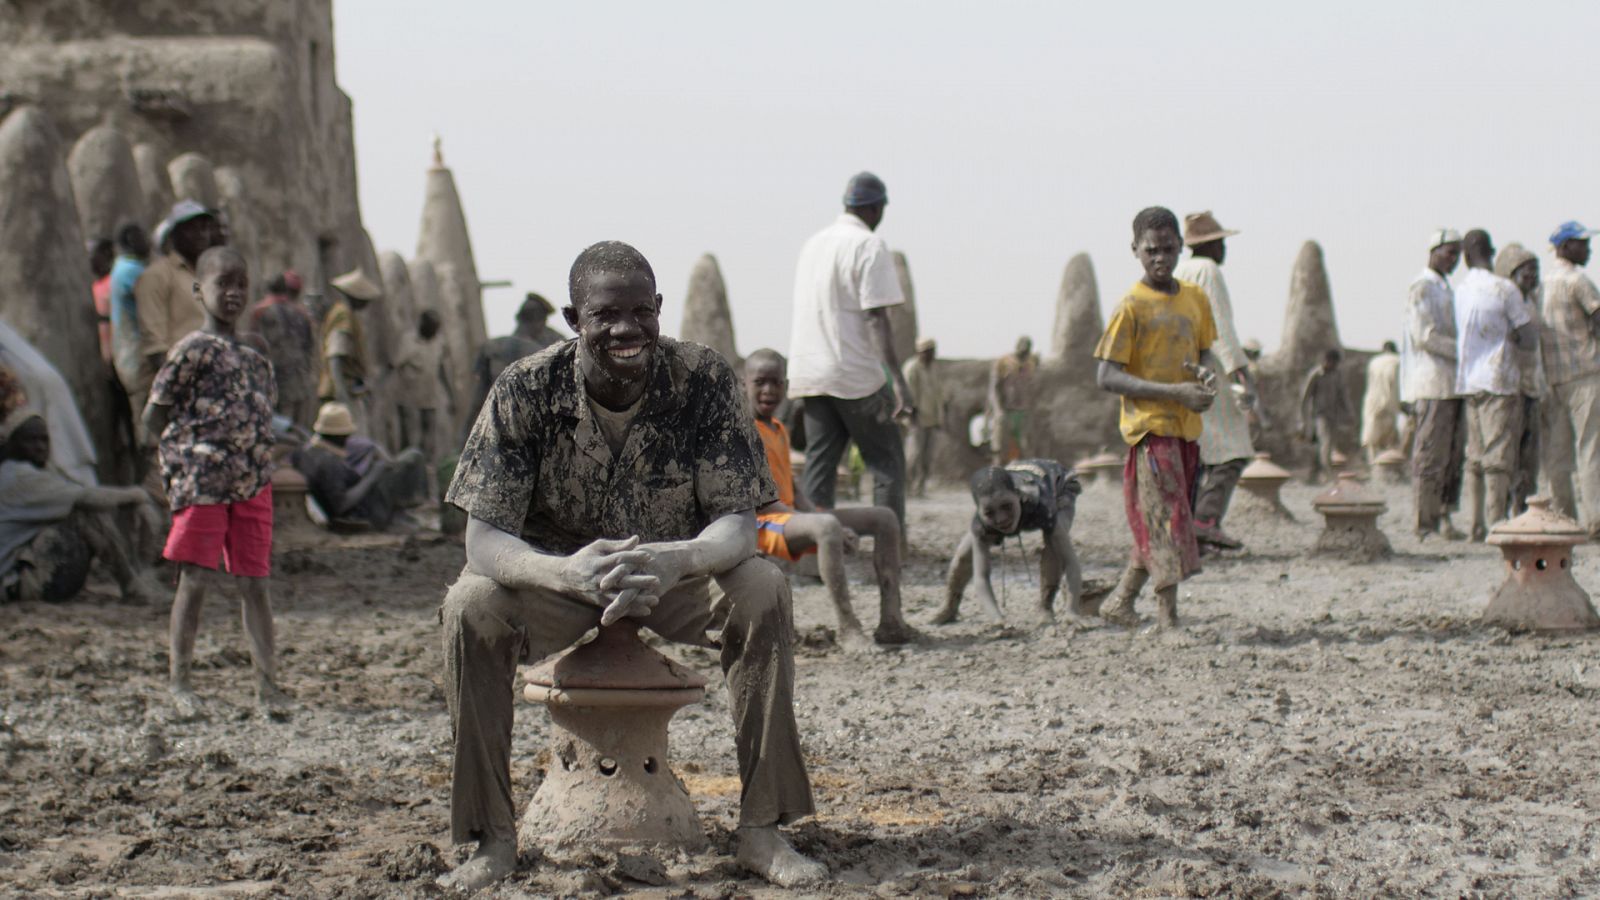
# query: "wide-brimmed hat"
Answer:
x=533 y=306
x=925 y=344
x=1510 y=257
x=1200 y=227
x=334 y=419
x=356 y=285
x=1442 y=236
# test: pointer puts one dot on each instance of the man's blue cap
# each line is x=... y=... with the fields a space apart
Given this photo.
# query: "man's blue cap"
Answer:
x=1570 y=231
x=865 y=189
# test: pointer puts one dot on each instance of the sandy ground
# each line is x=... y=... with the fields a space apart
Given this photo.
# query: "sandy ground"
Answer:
x=1318 y=729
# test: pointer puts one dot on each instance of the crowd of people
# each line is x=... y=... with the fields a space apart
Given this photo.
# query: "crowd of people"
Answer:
x=624 y=474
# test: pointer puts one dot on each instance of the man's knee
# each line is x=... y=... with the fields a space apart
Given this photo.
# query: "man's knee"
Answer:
x=757 y=588
x=471 y=603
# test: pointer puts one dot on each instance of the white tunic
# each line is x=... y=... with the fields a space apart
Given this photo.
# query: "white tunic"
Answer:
x=844 y=271
x=1226 y=434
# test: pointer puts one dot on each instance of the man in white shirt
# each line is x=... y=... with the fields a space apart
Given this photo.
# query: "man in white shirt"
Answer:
x=1491 y=322
x=1428 y=383
x=841 y=351
x=1570 y=349
x=1225 y=447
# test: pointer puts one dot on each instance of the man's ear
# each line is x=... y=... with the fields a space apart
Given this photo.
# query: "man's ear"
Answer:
x=659 y=304
x=197 y=287
x=570 y=314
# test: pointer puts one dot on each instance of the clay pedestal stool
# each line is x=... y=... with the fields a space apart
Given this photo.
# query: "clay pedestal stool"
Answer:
x=1102 y=468
x=289 y=518
x=609 y=784
x=1350 y=515
x=1261 y=480
x=1391 y=466
x=1539 y=593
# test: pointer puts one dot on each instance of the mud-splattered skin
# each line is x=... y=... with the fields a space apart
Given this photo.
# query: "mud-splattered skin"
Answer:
x=536 y=463
x=1044 y=488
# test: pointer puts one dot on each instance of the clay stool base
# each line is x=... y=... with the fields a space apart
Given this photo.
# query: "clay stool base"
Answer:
x=1352 y=537
x=609 y=782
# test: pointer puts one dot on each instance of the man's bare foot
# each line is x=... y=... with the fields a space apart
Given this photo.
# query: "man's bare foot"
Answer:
x=854 y=638
x=765 y=852
x=492 y=861
x=1449 y=531
x=273 y=702
x=945 y=616
x=186 y=701
x=892 y=633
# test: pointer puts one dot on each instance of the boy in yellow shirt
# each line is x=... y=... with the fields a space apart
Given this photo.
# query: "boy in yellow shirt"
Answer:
x=1156 y=354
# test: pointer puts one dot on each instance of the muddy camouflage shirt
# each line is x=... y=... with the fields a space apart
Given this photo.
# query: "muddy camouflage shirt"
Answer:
x=217 y=447
x=537 y=464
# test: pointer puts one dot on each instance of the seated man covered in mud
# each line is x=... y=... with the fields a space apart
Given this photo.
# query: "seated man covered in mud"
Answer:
x=617 y=475
x=51 y=527
x=791 y=527
x=354 y=480
x=1027 y=495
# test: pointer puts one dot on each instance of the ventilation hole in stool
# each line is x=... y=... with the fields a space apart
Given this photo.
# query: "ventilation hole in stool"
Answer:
x=608 y=766
x=569 y=757
x=650 y=765
x=1540 y=564
x=1564 y=562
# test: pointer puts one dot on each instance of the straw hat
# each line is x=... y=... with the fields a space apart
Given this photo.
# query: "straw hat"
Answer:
x=1510 y=257
x=1200 y=227
x=334 y=419
x=356 y=285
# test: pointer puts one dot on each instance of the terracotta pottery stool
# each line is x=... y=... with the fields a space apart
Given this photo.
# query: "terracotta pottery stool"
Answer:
x=1262 y=480
x=1391 y=466
x=1539 y=593
x=609 y=783
x=289 y=518
x=1350 y=521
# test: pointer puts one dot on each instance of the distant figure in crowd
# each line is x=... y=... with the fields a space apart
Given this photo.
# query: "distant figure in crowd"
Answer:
x=1428 y=384
x=102 y=259
x=1156 y=353
x=353 y=479
x=344 y=344
x=425 y=386
x=790 y=527
x=1254 y=415
x=840 y=347
x=211 y=408
x=52 y=527
x=164 y=296
x=286 y=326
x=1492 y=321
x=1026 y=495
x=133 y=249
x=1325 y=408
x=1380 y=405
x=1519 y=264
x=1010 y=401
x=1570 y=342
x=1225 y=444
x=531 y=335
x=659 y=434
x=927 y=396
x=102 y=256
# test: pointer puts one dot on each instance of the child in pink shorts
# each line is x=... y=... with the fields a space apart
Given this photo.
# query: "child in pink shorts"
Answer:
x=211 y=406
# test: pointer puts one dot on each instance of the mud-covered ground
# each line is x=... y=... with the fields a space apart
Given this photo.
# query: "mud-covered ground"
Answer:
x=1317 y=728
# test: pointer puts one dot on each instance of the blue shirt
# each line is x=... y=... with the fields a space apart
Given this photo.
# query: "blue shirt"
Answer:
x=125 y=318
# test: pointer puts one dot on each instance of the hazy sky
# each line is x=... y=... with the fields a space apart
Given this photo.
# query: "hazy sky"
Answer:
x=1011 y=135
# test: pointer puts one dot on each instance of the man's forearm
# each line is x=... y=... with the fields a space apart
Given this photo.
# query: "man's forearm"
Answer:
x=509 y=560
x=723 y=544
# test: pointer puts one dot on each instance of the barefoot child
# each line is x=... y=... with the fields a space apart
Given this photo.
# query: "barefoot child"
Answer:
x=1155 y=353
x=211 y=406
x=791 y=528
x=1027 y=495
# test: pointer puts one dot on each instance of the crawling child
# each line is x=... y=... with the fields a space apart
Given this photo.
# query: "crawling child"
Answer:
x=791 y=528
x=1027 y=495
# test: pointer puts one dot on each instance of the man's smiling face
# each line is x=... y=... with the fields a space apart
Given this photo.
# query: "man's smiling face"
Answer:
x=618 y=323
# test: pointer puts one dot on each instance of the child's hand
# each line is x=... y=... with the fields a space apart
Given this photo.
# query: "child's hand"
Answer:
x=1194 y=395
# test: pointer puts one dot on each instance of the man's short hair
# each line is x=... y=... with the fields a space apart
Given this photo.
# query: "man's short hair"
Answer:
x=1389 y=347
x=1153 y=217
x=764 y=356
x=1476 y=243
x=132 y=239
x=216 y=256
x=606 y=256
x=989 y=479
x=1333 y=355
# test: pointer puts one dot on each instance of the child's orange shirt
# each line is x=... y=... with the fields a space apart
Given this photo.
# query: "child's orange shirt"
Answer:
x=775 y=438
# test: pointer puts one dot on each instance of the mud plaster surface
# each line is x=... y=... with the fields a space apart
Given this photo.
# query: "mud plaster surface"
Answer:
x=1322 y=729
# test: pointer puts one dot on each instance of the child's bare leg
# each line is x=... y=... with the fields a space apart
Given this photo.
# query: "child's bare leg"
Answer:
x=1061 y=540
x=257 y=615
x=957 y=577
x=884 y=527
x=1121 y=609
x=1049 y=581
x=186 y=602
x=804 y=531
x=1167 y=607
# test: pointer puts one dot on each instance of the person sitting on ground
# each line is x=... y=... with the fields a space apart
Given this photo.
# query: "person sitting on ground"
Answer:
x=358 y=486
x=617 y=475
x=1027 y=495
x=791 y=527
x=211 y=410
x=52 y=527
x=1156 y=353
x=1324 y=409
